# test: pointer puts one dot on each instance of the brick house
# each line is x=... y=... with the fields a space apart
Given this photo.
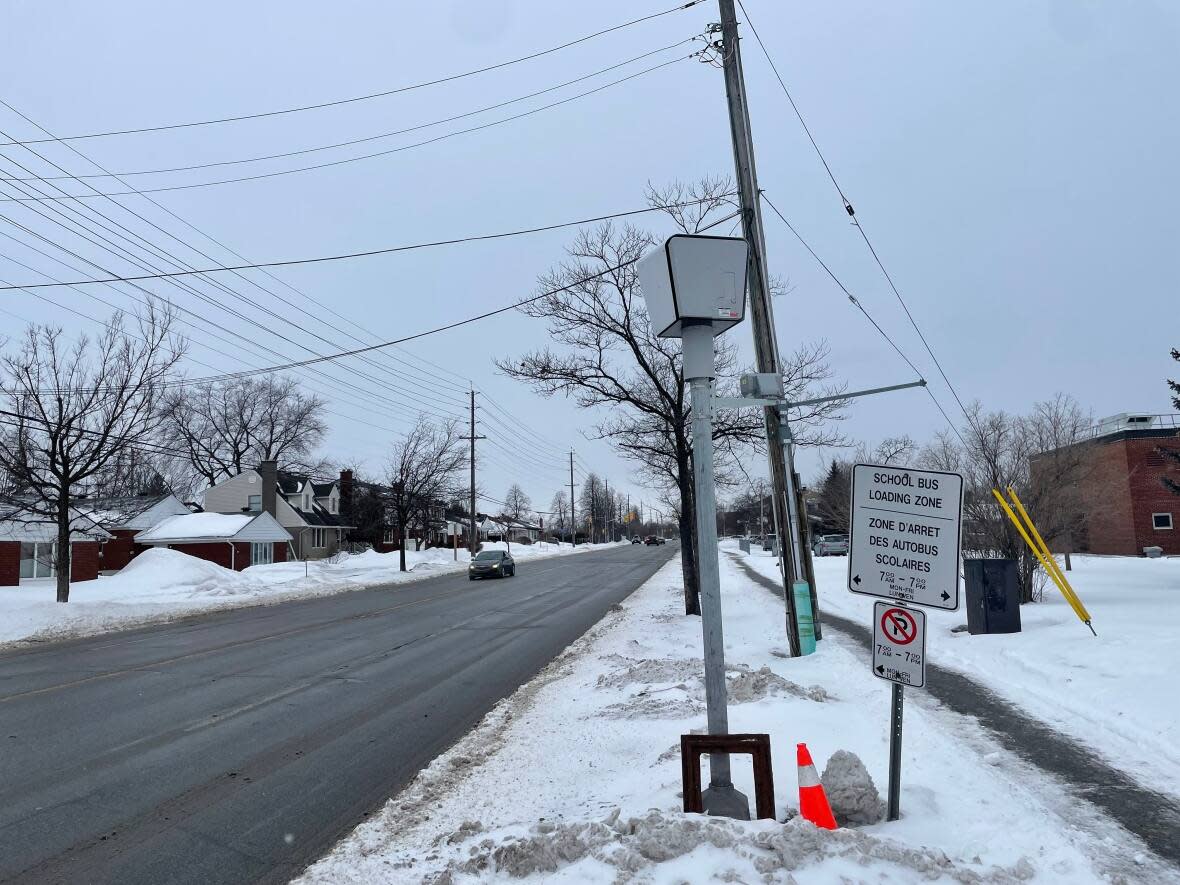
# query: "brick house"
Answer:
x=231 y=540
x=1126 y=505
x=28 y=545
x=123 y=518
x=308 y=510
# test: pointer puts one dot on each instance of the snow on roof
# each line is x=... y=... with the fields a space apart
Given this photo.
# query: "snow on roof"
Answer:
x=208 y=527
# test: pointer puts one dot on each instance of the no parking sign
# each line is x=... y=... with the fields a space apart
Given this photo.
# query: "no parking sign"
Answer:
x=899 y=644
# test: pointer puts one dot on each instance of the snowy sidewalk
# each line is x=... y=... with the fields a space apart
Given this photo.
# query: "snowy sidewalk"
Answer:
x=162 y=585
x=576 y=777
x=1104 y=691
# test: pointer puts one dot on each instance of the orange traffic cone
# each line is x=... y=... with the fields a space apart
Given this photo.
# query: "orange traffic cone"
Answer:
x=813 y=801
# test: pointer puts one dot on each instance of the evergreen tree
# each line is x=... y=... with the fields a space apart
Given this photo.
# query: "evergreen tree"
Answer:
x=834 y=497
x=1172 y=454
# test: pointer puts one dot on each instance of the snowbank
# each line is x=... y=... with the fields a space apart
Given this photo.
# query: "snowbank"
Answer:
x=576 y=777
x=1111 y=692
x=162 y=584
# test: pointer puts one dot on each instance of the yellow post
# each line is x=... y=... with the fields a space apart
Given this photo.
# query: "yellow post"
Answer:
x=1073 y=602
x=1071 y=596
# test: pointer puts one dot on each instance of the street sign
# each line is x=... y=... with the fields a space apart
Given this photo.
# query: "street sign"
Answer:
x=899 y=644
x=904 y=537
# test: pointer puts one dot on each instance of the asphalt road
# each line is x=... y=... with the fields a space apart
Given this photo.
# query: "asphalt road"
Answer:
x=238 y=747
x=1152 y=816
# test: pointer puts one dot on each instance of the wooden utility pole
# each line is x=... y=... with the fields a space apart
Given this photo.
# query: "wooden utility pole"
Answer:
x=473 y=541
x=573 y=522
x=762 y=315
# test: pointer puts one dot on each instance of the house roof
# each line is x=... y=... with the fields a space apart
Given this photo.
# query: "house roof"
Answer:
x=138 y=512
x=290 y=483
x=319 y=516
x=19 y=523
x=196 y=527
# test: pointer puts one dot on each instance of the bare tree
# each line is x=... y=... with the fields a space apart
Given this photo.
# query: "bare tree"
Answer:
x=421 y=474
x=560 y=508
x=76 y=410
x=517 y=508
x=1042 y=455
x=226 y=427
x=893 y=450
x=610 y=356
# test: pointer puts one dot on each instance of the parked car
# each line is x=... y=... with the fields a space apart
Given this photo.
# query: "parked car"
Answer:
x=661 y=540
x=635 y=540
x=651 y=540
x=492 y=564
x=831 y=545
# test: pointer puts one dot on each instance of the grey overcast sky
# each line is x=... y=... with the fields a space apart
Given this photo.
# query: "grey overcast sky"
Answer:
x=1015 y=163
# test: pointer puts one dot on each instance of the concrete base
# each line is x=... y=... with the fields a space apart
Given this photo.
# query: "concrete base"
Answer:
x=726 y=802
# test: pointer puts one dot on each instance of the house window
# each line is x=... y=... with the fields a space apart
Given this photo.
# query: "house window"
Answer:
x=388 y=537
x=317 y=538
x=306 y=502
x=262 y=554
x=255 y=504
x=1161 y=522
x=36 y=560
x=331 y=505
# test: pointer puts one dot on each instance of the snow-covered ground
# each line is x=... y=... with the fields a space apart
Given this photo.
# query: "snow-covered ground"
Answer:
x=576 y=777
x=162 y=584
x=1113 y=692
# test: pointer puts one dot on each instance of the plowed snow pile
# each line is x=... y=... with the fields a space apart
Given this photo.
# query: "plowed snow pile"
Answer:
x=576 y=777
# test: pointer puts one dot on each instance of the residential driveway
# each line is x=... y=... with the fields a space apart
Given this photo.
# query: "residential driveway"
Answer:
x=238 y=747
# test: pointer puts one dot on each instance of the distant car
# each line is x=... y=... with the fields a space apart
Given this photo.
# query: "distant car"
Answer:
x=492 y=564
x=831 y=545
x=635 y=540
x=661 y=540
x=651 y=540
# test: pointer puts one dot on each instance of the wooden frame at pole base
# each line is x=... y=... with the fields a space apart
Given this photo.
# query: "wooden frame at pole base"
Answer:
x=693 y=746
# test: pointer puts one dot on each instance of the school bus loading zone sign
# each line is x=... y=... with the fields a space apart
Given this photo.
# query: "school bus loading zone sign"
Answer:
x=904 y=535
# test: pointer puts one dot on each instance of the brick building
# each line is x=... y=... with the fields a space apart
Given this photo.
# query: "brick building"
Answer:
x=28 y=546
x=235 y=541
x=1125 y=503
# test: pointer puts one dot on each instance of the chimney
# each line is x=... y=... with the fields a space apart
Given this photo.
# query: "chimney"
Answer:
x=268 y=471
x=346 y=492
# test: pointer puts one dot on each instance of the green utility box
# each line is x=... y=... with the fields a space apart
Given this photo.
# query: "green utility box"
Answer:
x=805 y=617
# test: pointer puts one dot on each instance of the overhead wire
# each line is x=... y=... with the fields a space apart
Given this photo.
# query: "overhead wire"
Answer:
x=368 y=253
x=391 y=357
x=169 y=257
x=371 y=95
x=859 y=306
x=333 y=163
x=848 y=208
x=355 y=141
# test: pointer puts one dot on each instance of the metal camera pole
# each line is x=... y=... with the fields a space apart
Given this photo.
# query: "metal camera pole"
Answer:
x=697 y=339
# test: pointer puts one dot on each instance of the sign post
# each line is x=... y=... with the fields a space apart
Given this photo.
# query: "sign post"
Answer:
x=899 y=657
x=903 y=547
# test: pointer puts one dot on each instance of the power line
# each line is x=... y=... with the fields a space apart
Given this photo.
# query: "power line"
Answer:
x=856 y=303
x=365 y=254
x=368 y=138
x=434 y=331
x=368 y=96
x=191 y=227
x=326 y=165
x=856 y=221
x=115 y=249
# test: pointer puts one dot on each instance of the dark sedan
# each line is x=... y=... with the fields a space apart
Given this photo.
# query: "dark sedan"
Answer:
x=491 y=564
